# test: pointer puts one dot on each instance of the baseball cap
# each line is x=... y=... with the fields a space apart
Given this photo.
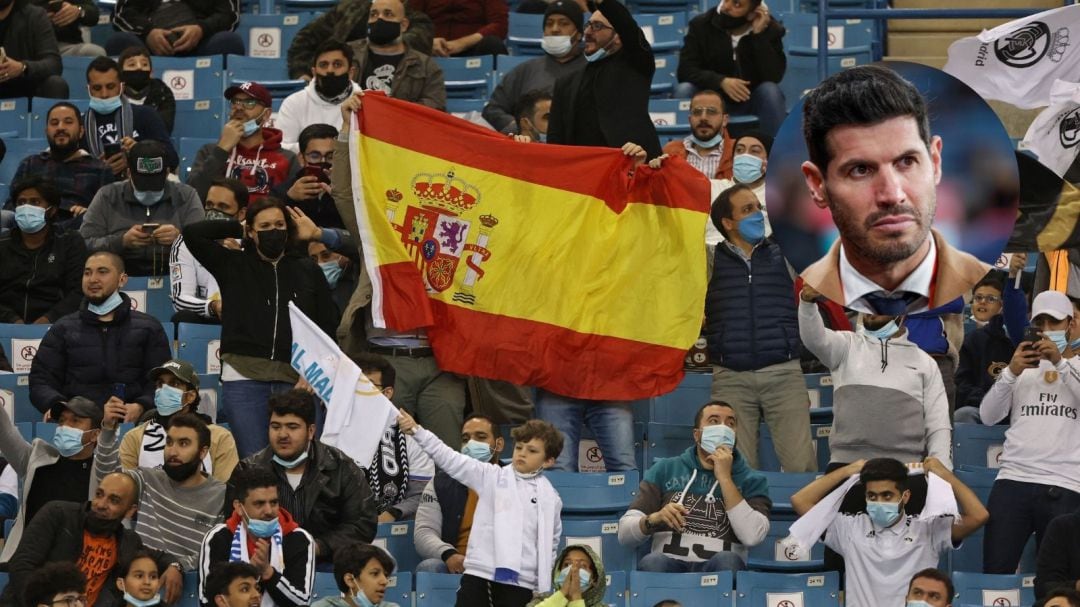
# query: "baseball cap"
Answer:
x=568 y=9
x=1054 y=304
x=256 y=90
x=147 y=162
x=182 y=369
x=81 y=406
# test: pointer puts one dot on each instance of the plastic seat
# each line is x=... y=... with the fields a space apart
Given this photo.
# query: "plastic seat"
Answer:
x=150 y=295
x=680 y=405
x=75 y=75
x=663 y=81
x=270 y=36
x=771 y=555
x=191 y=77
x=987 y=589
x=397 y=539
x=763 y=589
x=595 y=492
x=187 y=148
x=603 y=537
x=17 y=149
x=199 y=118
x=524 y=34
x=13 y=118
x=664 y=31
x=436 y=589
x=819 y=387
x=978 y=445
x=271 y=73
x=21 y=343
x=467 y=76
x=15 y=398
x=697 y=589
x=782 y=485
x=200 y=345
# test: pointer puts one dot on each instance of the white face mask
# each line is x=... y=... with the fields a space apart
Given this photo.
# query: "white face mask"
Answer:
x=556 y=46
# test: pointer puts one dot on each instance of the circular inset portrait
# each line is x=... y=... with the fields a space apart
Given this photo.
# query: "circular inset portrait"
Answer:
x=892 y=188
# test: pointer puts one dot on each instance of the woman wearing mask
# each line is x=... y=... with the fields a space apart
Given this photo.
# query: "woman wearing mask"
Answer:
x=362 y=573
x=257 y=283
x=139 y=580
x=579 y=580
x=140 y=86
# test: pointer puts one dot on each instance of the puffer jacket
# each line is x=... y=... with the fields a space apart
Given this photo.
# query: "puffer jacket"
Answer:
x=46 y=281
x=593 y=596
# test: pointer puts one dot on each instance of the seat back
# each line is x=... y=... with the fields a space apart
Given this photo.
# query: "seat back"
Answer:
x=595 y=492
x=697 y=589
x=397 y=539
x=191 y=77
x=436 y=589
x=21 y=342
x=762 y=589
x=988 y=589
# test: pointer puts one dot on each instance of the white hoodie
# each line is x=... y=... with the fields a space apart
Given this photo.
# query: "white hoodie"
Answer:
x=304 y=108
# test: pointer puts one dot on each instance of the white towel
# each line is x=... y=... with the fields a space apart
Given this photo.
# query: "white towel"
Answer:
x=508 y=528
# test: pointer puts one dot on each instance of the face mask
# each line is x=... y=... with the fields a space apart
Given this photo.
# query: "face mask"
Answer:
x=105 y=106
x=584 y=577
x=181 y=472
x=362 y=601
x=918 y=604
x=746 y=168
x=477 y=450
x=541 y=137
x=752 y=227
x=729 y=23
x=1059 y=339
x=883 y=514
x=528 y=475
x=149 y=199
x=596 y=56
x=68 y=440
x=29 y=218
x=290 y=464
x=884 y=332
x=135 y=78
x=556 y=46
x=168 y=400
x=332 y=86
x=1075 y=344
x=260 y=528
x=383 y=32
x=716 y=436
x=251 y=127
x=106 y=306
x=708 y=143
x=216 y=215
x=130 y=600
x=272 y=242
x=100 y=526
x=332 y=270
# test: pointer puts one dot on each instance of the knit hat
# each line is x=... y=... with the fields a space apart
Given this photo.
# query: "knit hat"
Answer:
x=760 y=136
x=568 y=9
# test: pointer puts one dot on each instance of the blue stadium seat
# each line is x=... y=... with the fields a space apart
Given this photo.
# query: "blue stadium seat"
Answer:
x=17 y=149
x=44 y=431
x=270 y=36
x=671 y=117
x=603 y=537
x=819 y=387
x=150 y=295
x=664 y=31
x=196 y=343
x=802 y=75
x=399 y=589
x=505 y=63
x=666 y=440
x=615 y=594
x=697 y=589
x=680 y=405
x=978 y=445
x=101 y=32
x=851 y=36
x=199 y=117
x=467 y=76
x=596 y=492
x=75 y=75
x=21 y=343
x=762 y=589
x=768 y=459
x=397 y=539
x=524 y=34
x=15 y=397
x=191 y=77
x=464 y=106
x=325 y=586
x=39 y=111
x=782 y=485
x=13 y=118
x=770 y=555
x=271 y=73
x=670 y=6
x=986 y=589
x=209 y=393
x=306 y=6
x=664 y=80
x=436 y=589
x=190 y=597
x=187 y=148
x=26 y=430
x=969 y=556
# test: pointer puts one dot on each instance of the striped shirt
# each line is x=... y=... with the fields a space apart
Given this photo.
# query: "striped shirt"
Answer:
x=707 y=164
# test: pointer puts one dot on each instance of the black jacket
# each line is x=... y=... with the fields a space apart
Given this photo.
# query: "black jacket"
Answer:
x=621 y=86
x=45 y=281
x=158 y=96
x=706 y=57
x=83 y=356
x=338 y=505
x=30 y=39
x=1059 y=555
x=57 y=531
x=71 y=33
x=260 y=292
x=213 y=16
x=985 y=353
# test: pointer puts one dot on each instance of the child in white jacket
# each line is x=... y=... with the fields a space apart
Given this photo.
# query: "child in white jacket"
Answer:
x=517 y=525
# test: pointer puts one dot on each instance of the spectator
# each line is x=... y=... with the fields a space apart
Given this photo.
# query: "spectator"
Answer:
x=65 y=165
x=752 y=330
x=445 y=516
x=362 y=573
x=341 y=271
x=709 y=148
x=345 y=22
x=55 y=584
x=677 y=505
x=178 y=503
x=579 y=580
x=140 y=218
x=256 y=341
x=195 y=293
x=246 y=150
x=931 y=588
x=40 y=262
x=1062 y=597
x=737 y=50
x=310 y=189
x=180 y=27
x=563 y=21
x=1040 y=463
x=139 y=578
x=328 y=86
x=751 y=159
x=607 y=103
x=533 y=114
x=31 y=65
x=56 y=471
x=69 y=359
x=234 y=585
x=92 y=536
x=114 y=124
x=385 y=63
x=324 y=490
x=1058 y=563
x=516 y=506
x=262 y=533
x=466 y=27
x=68 y=18
x=177 y=394
x=140 y=86
x=883 y=547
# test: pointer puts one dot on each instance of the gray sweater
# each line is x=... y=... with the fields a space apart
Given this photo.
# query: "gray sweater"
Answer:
x=539 y=73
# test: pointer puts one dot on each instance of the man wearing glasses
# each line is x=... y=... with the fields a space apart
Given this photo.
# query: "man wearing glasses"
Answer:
x=310 y=189
x=246 y=150
x=708 y=148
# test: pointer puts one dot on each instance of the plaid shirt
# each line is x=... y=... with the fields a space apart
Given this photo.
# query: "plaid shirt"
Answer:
x=77 y=179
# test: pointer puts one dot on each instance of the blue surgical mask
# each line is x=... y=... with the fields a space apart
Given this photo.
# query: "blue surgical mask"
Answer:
x=752 y=227
x=263 y=529
x=251 y=127
x=708 y=143
x=105 y=106
x=477 y=450
x=68 y=440
x=541 y=137
x=149 y=199
x=1059 y=339
x=29 y=218
x=168 y=400
x=599 y=54
x=134 y=602
x=746 y=168
x=883 y=514
x=1075 y=344
x=918 y=604
x=885 y=332
x=362 y=601
x=716 y=436
x=332 y=270
x=584 y=577
x=290 y=464
x=106 y=306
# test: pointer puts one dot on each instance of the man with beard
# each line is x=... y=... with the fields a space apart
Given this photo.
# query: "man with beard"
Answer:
x=318 y=102
x=72 y=170
x=875 y=166
x=178 y=503
x=708 y=148
x=92 y=536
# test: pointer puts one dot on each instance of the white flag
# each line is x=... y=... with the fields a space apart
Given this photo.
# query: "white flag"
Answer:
x=1018 y=62
x=1054 y=134
x=357 y=413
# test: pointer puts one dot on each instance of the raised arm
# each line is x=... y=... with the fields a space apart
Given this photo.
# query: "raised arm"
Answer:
x=974 y=514
x=634 y=43
x=829 y=346
x=808 y=497
x=459 y=466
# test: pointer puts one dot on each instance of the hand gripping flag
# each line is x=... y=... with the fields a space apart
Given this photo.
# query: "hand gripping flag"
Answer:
x=546 y=265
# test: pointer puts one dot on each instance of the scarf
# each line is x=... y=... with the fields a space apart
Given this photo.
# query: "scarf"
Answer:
x=388 y=473
x=127 y=127
x=243 y=545
x=152 y=451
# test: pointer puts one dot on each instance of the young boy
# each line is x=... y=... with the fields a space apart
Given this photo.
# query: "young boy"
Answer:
x=516 y=525
x=140 y=86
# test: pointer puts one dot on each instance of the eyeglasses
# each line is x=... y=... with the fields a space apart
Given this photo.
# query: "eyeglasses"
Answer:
x=317 y=157
x=596 y=26
x=247 y=104
x=986 y=299
x=72 y=601
x=706 y=111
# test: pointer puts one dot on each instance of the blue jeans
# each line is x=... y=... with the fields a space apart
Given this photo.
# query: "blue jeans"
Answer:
x=721 y=561
x=221 y=43
x=611 y=422
x=432 y=566
x=244 y=408
x=766 y=102
x=1016 y=511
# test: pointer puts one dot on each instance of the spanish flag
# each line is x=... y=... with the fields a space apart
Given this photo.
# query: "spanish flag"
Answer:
x=554 y=266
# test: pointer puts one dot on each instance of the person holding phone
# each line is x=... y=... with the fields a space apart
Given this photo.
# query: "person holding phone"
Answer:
x=29 y=57
x=310 y=189
x=68 y=17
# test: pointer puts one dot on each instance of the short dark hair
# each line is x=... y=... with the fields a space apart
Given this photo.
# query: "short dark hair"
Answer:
x=351 y=558
x=723 y=104
x=931 y=573
x=864 y=95
x=48 y=191
x=294 y=402
x=125 y=566
x=50 y=580
x=701 y=411
x=269 y=202
x=548 y=434
x=223 y=574
x=330 y=46
x=316 y=131
x=135 y=51
x=369 y=361
x=117 y=261
x=668 y=603
x=102 y=64
x=252 y=477
x=526 y=105
x=885 y=469
x=993 y=280
x=1061 y=592
x=189 y=420
x=68 y=105
x=491 y=422
x=722 y=207
x=237 y=187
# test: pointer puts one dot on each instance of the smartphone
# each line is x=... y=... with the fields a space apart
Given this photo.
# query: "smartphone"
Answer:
x=1031 y=334
x=316 y=172
x=112 y=149
x=119 y=391
x=148 y=228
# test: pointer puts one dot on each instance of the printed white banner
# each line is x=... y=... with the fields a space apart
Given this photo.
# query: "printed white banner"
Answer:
x=1054 y=134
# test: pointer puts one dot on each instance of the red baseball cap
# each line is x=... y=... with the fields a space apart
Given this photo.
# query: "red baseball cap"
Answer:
x=256 y=90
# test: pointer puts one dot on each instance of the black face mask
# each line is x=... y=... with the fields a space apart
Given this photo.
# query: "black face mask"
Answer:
x=272 y=242
x=100 y=526
x=383 y=32
x=331 y=86
x=729 y=23
x=181 y=472
x=136 y=79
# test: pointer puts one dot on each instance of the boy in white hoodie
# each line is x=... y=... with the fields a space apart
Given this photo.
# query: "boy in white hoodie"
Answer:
x=516 y=525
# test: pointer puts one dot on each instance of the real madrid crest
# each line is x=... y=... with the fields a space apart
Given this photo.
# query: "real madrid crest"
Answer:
x=995 y=369
x=1050 y=376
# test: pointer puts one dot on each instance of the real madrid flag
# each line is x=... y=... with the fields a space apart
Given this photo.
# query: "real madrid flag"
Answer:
x=1054 y=134
x=546 y=265
x=1018 y=62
